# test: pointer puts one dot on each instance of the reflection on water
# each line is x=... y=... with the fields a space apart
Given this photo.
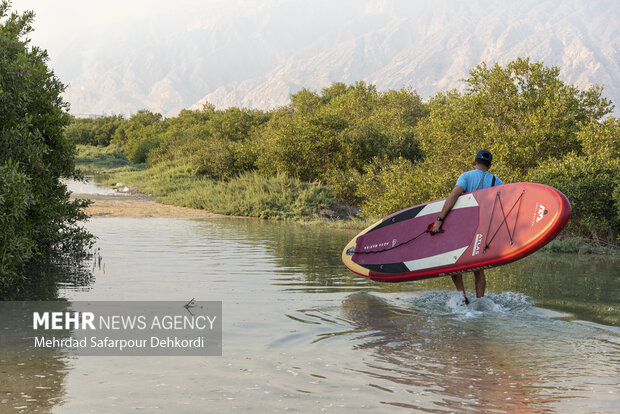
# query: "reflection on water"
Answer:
x=443 y=362
x=46 y=280
x=35 y=384
x=500 y=355
x=31 y=384
x=87 y=187
x=586 y=287
x=303 y=333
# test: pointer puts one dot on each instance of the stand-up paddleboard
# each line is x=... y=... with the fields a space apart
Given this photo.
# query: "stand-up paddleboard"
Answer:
x=485 y=228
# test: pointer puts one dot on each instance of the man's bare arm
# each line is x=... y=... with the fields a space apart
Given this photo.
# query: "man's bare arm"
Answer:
x=447 y=206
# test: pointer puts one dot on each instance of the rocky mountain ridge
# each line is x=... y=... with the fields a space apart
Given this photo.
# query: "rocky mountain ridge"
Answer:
x=255 y=54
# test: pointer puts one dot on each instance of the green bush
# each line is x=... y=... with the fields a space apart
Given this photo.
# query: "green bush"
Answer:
x=318 y=136
x=15 y=241
x=601 y=140
x=133 y=128
x=139 y=148
x=221 y=159
x=387 y=187
x=37 y=217
x=217 y=144
x=589 y=185
x=98 y=131
x=385 y=151
x=345 y=185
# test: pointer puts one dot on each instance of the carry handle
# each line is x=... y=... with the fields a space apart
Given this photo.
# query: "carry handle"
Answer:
x=430 y=227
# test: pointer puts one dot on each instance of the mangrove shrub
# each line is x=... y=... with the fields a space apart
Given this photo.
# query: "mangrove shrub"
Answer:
x=337 y=133
x=37 y=217
x=522 y=112
x=98 y=131
x=590 y=178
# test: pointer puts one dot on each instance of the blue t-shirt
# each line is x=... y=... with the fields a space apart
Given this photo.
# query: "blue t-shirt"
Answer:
x=469 y=180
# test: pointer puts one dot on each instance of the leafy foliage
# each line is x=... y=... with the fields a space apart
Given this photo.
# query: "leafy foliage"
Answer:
x=98 y=131
x=15 y=242
x=228 y=148
x=385 y=151
x=591 y=180
x=139 y=135
x=37 y=216
x=318 y=136
x=524 y=114
x=590 y=187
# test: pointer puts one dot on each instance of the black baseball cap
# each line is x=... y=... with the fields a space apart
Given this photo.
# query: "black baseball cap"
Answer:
x=484 y=155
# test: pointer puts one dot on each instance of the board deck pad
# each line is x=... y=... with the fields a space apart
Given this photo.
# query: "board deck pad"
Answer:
x=485 y=228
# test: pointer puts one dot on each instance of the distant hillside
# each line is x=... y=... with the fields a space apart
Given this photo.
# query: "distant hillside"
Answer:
x=255 y=54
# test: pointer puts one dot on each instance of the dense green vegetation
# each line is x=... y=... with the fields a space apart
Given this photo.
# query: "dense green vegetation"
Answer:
x=36 y=216
x=93 y=131
x=383 y=151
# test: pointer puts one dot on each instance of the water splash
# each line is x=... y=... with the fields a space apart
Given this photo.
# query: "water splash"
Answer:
x=452 y=303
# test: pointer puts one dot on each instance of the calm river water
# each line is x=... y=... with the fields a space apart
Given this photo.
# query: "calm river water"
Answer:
x=303 y=334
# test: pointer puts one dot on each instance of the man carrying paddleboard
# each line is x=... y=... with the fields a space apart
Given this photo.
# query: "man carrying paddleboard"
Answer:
x=469 y=181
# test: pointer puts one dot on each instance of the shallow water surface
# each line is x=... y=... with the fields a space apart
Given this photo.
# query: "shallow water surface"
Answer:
x=302 y=333
x=88 y=187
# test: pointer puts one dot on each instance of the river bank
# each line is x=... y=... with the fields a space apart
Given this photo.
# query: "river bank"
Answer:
x=137 y=206
x=179 y=194
x=249 y=195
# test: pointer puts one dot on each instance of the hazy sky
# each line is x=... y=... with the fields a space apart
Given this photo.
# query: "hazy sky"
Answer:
x=123 y=55
x=79 y=13
x=55 y=18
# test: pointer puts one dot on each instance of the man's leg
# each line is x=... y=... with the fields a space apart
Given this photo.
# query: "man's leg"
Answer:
x=481 y=283
x=458 y=282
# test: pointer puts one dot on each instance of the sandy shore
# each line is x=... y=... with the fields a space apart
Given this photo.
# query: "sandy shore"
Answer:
x=136 y=206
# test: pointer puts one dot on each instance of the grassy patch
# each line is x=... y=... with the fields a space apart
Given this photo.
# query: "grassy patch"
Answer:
x=249 y=194
x=161 y=180
x=347 y=222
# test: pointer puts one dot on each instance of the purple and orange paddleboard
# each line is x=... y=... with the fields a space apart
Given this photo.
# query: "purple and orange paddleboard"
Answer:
x=485 y=228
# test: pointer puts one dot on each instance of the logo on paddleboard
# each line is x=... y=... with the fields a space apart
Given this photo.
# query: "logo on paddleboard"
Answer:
x=394 y=242
x=477 y=243
x=539 y=213
x=376 y=245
